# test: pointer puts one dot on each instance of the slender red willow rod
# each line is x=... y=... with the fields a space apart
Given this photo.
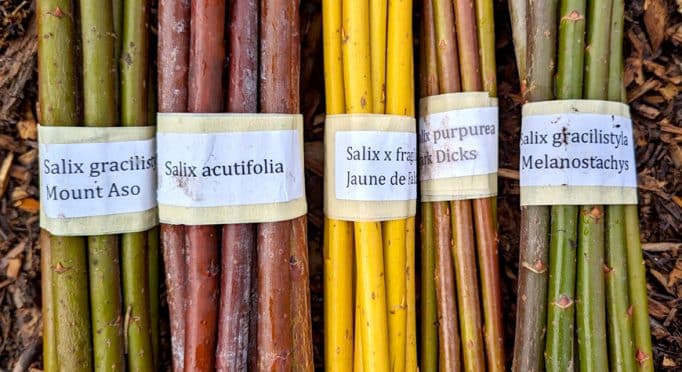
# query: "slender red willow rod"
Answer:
x=207 y=56
x=173 y=60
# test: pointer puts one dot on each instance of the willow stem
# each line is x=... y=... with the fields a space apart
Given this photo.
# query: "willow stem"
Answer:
x=301 y=319
x=464 y=249
x=400 y=101
x=484 y=209
x=99 y=106
x=448 y=80
x=395 y=253
x=450 y=354
x=105 y=301
x=377 y=48
x=621 y=351
x=590 y=292
x=173 y=65
x=429 y=301
x=395 y=260
x=534 y=243
x=338 y=237
x=136 y=301
x=49 y=346
x=638 y=292
x=446 y=46
x=518 y=14
x=532 y=293
x=58 y=100
x=621 y=343
x=429 y=316
x=275 y=286
x=491 y=288
x=238 y=240
x=559 y=354
x=134 y=112
x=463 y=252
x=485 y=25
x=368 y=235
x=370 y=264
x=411 y=362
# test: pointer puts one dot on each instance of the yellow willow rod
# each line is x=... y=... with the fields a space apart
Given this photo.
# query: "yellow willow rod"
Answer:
x=372 y=297
x=370 y=265
x=357 y=356
x=338 y=290
x=377 y=42
x=338 y=235
x=400 y=101
x=411 y=343
x=395 y=258
x=393 y=231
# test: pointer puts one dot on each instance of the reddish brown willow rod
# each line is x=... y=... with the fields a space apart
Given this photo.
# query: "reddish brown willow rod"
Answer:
x=274 y=334
x=173 y=60
x=301 y=327
x=449 y=345
x=463 y=232
x=449 y=81
x=207 y=56
x=239 y=240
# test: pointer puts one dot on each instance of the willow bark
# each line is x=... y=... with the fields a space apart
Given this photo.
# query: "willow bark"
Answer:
x=207 y=56
x=99 y=109
x=134 y=112
x=534 y=240
x=590 y=286
x=429 y=297
x=274 y=338
x=239 y=240
x=485 y=216
x=462 y=210
x=58 y=100
x=173 y=66
x=49 y=346
x=301 y=321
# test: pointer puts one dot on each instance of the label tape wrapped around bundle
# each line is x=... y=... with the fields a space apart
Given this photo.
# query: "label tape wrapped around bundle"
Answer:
x=370 y=167
x=458 y=153
x=577 y=152
x=230 y=168
x=97 y=180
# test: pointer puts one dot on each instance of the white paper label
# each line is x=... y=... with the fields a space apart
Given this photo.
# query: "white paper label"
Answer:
x=577 y=149
x=458 y=143
x=97 y=179
x=229 y=168
x=375 y=165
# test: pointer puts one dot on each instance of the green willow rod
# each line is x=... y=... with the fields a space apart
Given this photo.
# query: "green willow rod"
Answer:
x=99 y=106
x=134 y=98
x=559 y=349
x=590 y=288
x=535 y=220
x=58 y=100
x=619 y=318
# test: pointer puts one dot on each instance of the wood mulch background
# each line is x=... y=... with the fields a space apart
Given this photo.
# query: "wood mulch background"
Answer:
x=653 y=77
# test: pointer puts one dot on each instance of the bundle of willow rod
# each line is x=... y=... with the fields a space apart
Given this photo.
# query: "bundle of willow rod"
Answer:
x=594 y=297
x=369 y=69
x=238 y=294
x=458 y=54
x=97 y=290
